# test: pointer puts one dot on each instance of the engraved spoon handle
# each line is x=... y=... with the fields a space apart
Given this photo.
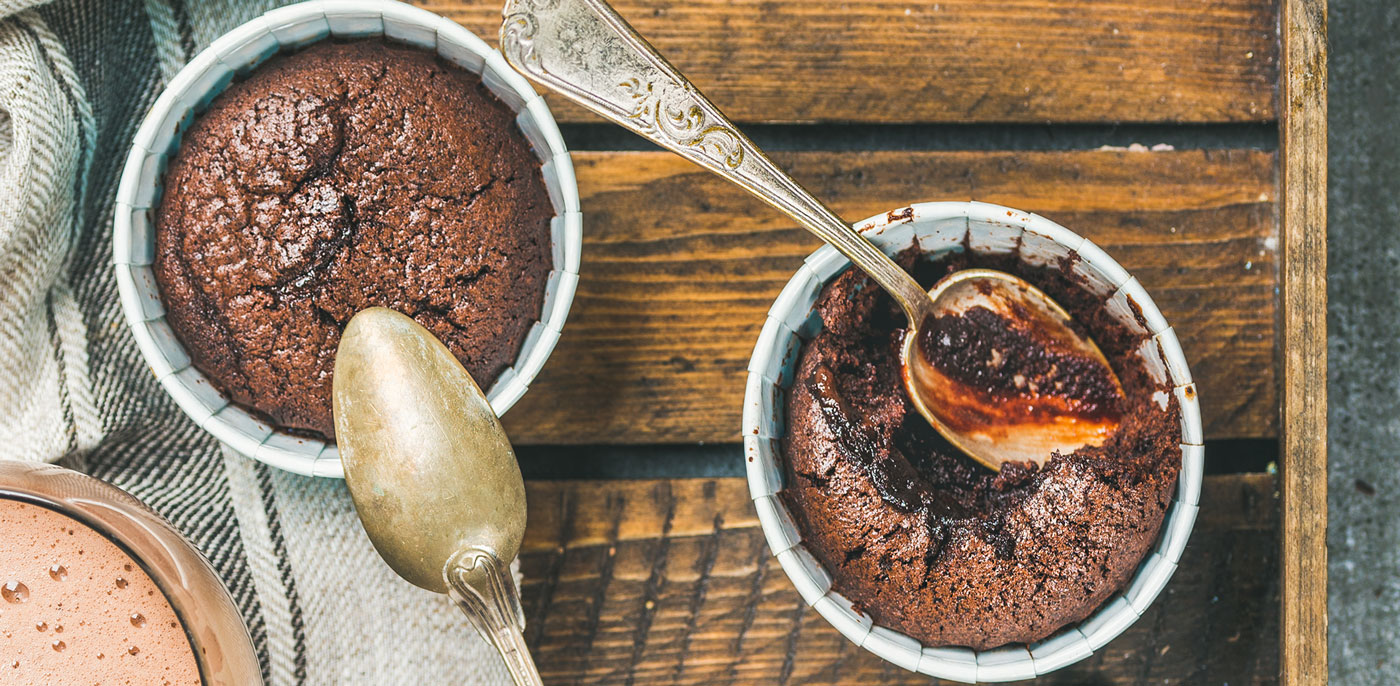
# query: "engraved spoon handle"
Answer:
x=482 y=586
x=586 y=52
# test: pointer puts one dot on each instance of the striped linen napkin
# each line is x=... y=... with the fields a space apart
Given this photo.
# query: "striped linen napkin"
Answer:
x=76 y=76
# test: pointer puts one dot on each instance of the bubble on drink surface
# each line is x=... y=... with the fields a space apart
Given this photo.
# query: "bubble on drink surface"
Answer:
x=58 y=572
x=14 y=592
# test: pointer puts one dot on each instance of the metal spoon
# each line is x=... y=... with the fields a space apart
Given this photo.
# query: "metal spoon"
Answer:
x=432 y=474
x=1018 y=421
x=585 y=51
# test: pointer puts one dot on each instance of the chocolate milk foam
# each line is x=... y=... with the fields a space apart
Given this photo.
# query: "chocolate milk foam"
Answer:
x=76 y=609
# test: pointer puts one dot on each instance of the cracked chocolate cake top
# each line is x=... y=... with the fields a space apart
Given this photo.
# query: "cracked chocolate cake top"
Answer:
x=347 y=176
x=928 y=541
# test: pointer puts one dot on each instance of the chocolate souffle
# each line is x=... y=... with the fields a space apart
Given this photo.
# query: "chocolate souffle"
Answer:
x=342 y=177
x=932 y=543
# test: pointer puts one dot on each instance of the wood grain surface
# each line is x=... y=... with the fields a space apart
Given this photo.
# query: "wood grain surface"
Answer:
x=956 y=60
x=670 y=582
x=679 y=269
x=1304 y=347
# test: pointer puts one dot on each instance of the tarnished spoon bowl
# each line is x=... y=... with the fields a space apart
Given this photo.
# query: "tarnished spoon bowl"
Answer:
x=432 y=474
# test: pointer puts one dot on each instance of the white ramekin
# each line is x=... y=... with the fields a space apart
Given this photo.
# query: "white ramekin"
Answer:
x=238 y=52
x=940 y=227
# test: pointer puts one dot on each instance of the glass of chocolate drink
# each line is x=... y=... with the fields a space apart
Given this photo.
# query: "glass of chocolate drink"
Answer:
x=95 y=587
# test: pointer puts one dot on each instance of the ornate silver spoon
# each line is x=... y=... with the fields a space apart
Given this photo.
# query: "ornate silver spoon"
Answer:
x=585 y=51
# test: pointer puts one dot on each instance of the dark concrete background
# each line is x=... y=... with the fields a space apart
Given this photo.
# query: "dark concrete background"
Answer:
x=1364 y=341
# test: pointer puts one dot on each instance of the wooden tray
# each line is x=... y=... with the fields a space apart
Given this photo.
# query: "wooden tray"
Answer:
x=669 y=581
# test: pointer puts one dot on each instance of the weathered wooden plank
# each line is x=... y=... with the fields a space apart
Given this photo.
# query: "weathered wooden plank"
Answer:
x=1304 y=344
x=670 y=582
x=679 y=269
x=957 y=60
